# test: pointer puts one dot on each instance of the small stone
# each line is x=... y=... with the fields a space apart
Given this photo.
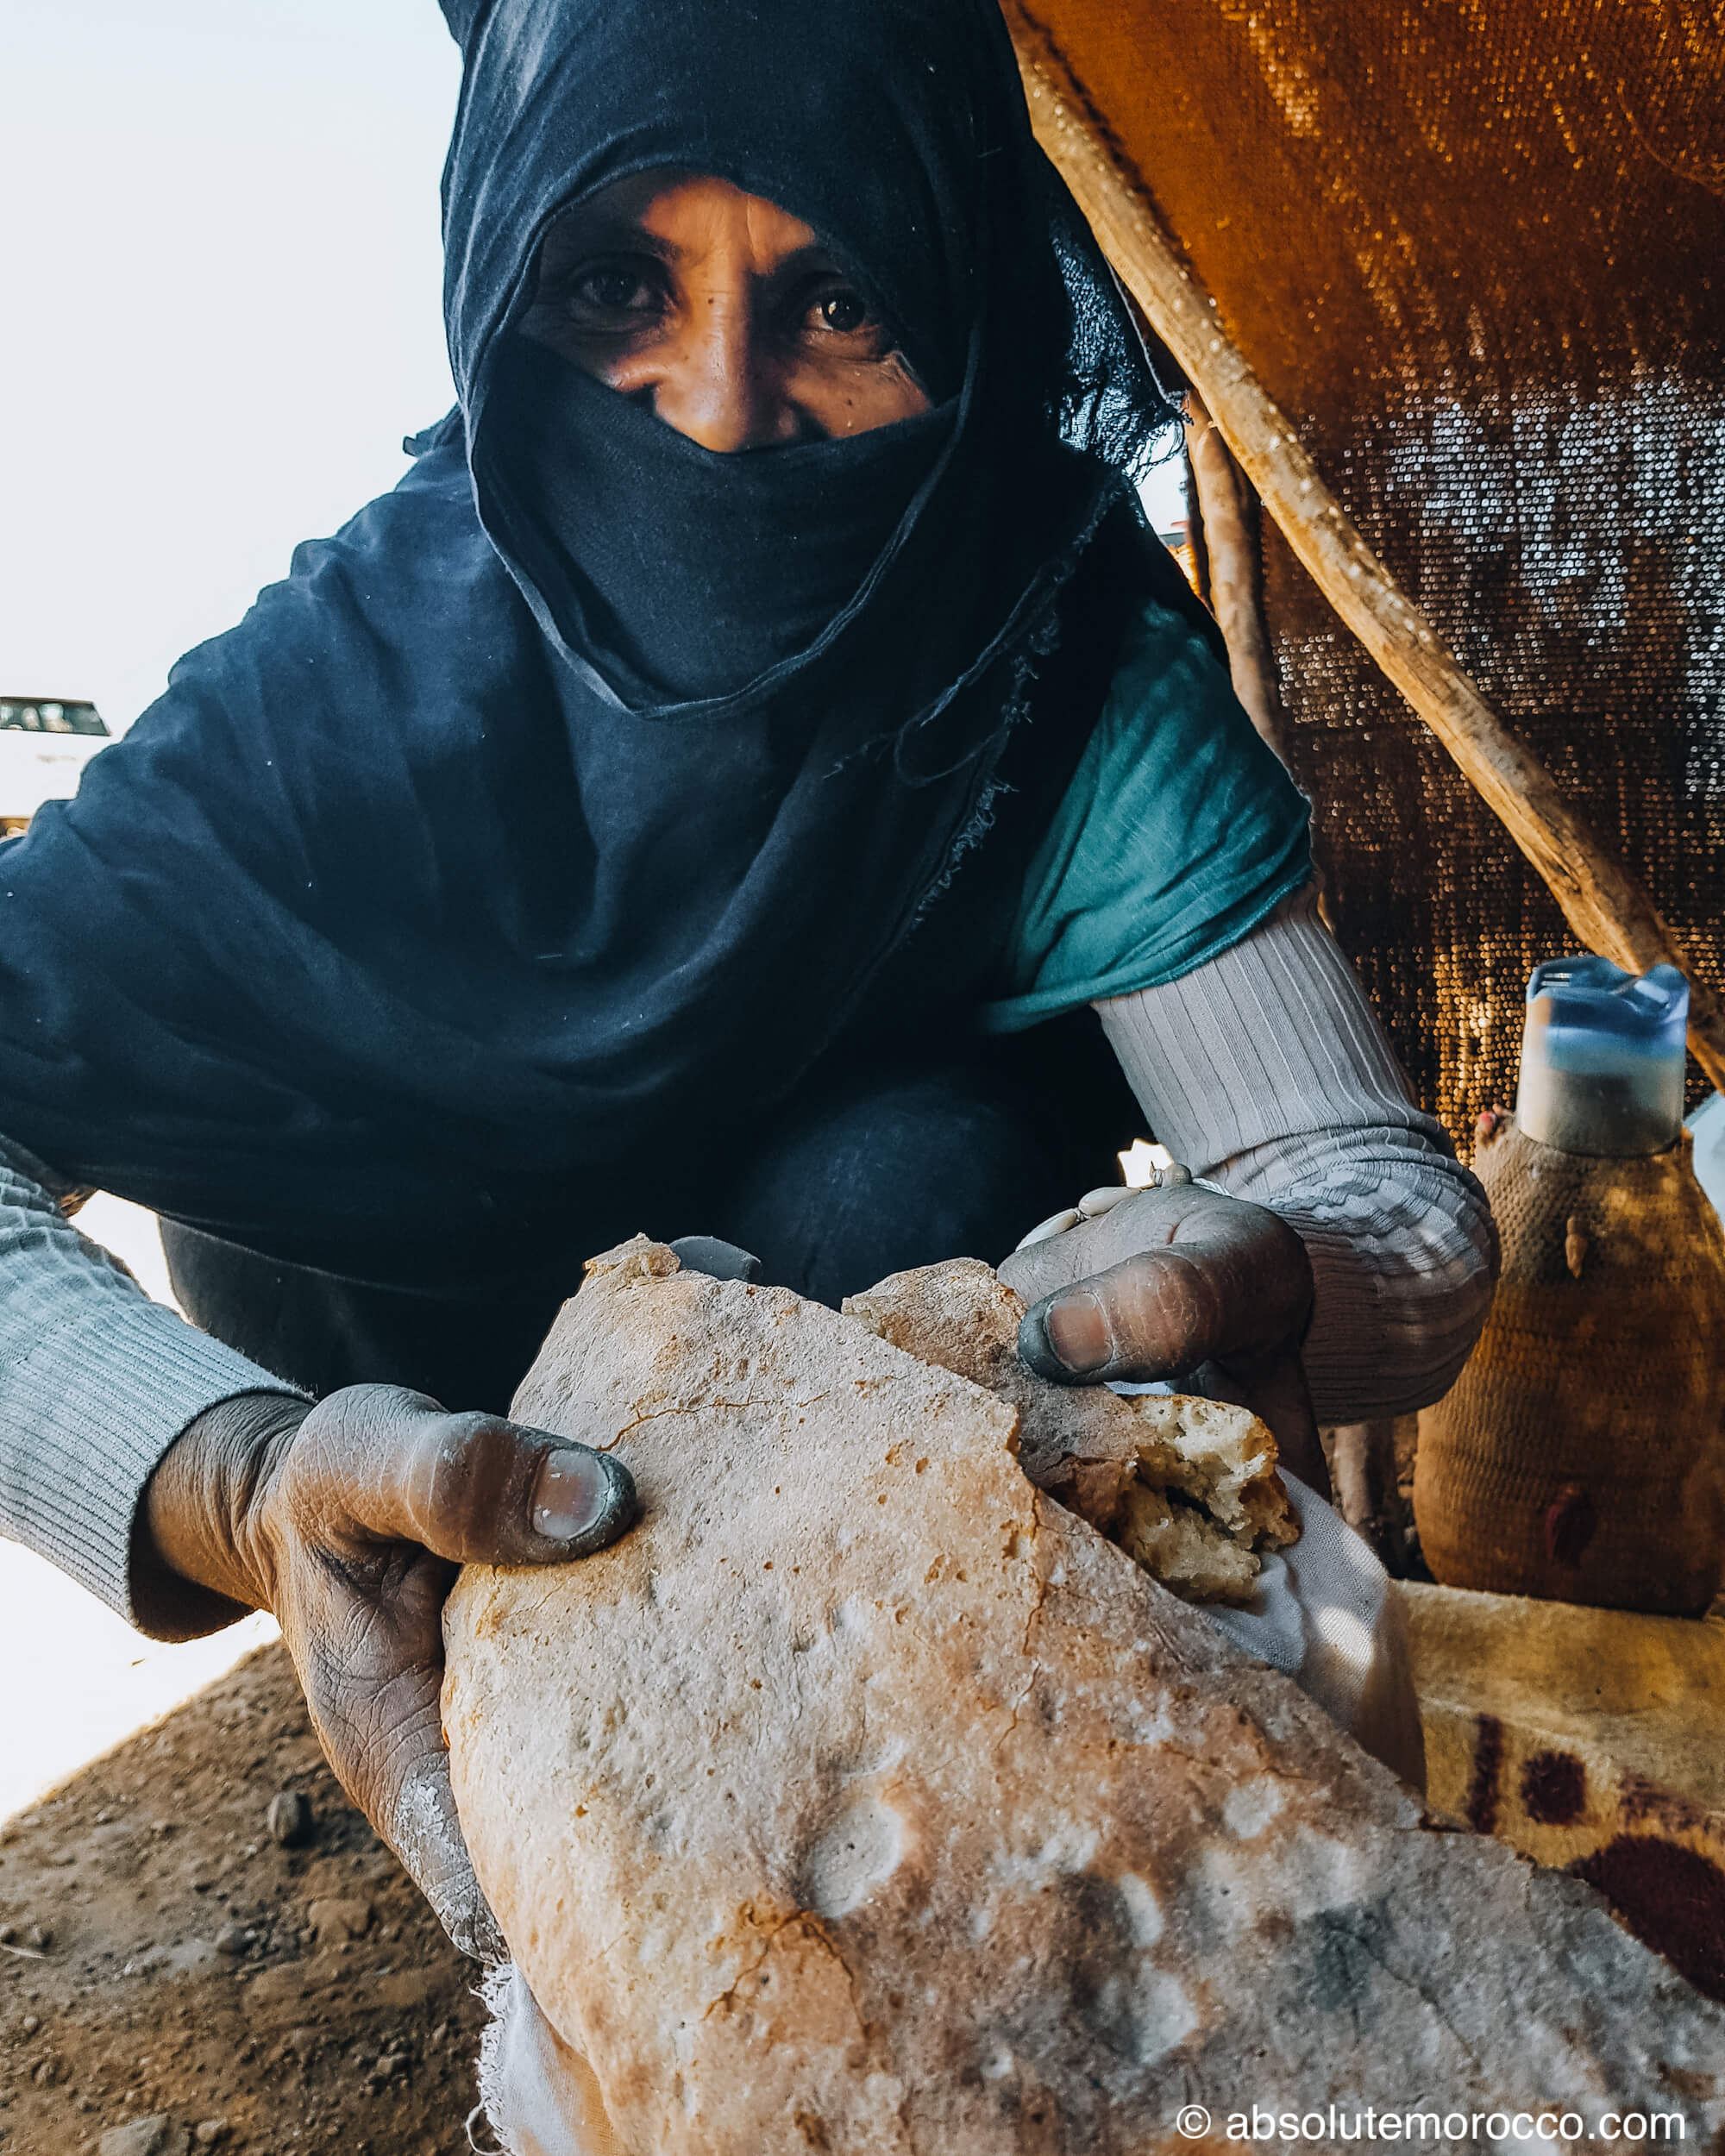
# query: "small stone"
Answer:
x=32 y=2023
x=140 y=2137
x=233 y=1939
x=338 y=1921
x=211 y=2133
x=289 y=1818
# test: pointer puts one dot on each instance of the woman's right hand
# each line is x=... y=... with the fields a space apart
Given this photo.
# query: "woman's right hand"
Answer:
x=349 y=1521
x=1174 y=1281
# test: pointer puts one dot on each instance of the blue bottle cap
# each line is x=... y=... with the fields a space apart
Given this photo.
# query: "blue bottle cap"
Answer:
x=1603 y=1057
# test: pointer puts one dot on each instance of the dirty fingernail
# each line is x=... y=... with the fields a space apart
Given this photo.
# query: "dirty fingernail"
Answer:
x=582 y=1497
x=1066 y=1336
x=1077 y=1330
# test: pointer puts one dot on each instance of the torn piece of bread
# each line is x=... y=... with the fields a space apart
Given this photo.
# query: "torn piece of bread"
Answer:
x=1189 y=1487
x=1221 y=1456
x=1176 y=1544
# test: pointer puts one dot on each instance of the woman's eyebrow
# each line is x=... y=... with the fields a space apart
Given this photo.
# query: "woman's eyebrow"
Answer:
x=816 y=254
x=804 y=262
x=570 y=238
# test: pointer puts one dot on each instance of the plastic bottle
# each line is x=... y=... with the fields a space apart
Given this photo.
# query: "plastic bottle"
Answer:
x=1603 y=1058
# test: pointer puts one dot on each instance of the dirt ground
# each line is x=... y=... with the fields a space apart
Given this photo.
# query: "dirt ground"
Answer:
x=161 y=1956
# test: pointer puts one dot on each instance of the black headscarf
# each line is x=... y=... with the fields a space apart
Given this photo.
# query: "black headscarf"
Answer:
x=576 y=792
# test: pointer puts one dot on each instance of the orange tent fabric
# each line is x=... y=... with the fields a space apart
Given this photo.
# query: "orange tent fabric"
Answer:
x=1476 y=249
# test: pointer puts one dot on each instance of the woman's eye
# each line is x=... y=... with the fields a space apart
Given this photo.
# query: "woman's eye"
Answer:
x=613 y=288
x=841 y=313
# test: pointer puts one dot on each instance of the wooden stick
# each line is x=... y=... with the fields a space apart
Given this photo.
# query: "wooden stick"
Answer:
x=1236 y=580
x=1362 y=1462
x=1605 y=904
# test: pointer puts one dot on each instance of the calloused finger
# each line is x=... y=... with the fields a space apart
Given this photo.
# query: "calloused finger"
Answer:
x=1153 y=1315
x=388 y=1752
x=425 y=1834
x=1146 y=1220
x=472 y=1489
x=371 y=1663
x=480 y=1490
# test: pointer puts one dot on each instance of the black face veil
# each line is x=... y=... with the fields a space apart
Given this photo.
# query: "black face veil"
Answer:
x=576 y=792
x=692 y=587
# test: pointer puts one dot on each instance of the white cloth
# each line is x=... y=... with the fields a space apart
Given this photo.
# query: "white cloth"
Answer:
x=540 y=2098
x=1327 y=1613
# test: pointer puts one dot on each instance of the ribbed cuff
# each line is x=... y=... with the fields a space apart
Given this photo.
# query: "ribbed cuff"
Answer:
x=1396 y=1317
x=106 y=1394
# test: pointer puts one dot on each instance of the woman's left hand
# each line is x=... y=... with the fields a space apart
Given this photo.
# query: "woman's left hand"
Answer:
x=1173 y=1281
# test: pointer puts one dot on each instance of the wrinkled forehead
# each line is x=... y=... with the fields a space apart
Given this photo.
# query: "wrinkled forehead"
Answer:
x=871 y=121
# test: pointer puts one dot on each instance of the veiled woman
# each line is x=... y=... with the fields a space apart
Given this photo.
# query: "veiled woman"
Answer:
x=715 y=793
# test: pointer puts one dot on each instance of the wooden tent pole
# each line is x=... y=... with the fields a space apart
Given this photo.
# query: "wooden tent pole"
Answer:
x=1605 y=904
x=1236 y=585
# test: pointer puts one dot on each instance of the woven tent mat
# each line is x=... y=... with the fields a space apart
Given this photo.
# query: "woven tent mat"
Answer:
x=1477 y=250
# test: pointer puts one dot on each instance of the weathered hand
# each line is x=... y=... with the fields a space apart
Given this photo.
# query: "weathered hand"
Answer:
x=1171 y=1282
x=349 y=1521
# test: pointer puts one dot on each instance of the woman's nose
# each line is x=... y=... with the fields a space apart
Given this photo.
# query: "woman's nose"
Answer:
x=717 y=385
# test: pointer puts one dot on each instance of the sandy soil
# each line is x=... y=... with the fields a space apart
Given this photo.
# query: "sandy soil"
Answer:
x=160 y=1955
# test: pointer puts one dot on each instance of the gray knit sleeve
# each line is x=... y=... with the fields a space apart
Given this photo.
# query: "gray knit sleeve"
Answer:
x=95 y=1383
x=1266 y=1070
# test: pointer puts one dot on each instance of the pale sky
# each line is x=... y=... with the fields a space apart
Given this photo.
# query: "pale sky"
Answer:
x=220 y=293
x=220 y=268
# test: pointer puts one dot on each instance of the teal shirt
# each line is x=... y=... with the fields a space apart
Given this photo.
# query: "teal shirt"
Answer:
x=1180 y=832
